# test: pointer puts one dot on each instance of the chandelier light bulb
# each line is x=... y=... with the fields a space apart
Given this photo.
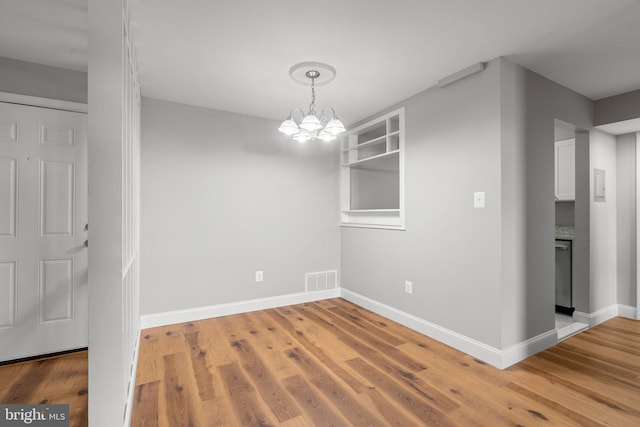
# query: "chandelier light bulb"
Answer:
x=289 y=127
x=311 y=123
x=334 y=126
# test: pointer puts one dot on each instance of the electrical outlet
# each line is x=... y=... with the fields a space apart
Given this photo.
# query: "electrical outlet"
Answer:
x=408 y=287
x=259 y=276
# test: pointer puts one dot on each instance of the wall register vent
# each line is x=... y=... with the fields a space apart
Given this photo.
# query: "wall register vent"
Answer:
x=321 y=280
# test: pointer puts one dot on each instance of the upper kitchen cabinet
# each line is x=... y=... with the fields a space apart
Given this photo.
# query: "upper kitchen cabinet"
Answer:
x=565 y=170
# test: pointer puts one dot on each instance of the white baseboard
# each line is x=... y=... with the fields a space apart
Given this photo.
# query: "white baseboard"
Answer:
x=628 y=311
x=501 y=359
x=597 y=317
x=522 y=350
x=199 y=313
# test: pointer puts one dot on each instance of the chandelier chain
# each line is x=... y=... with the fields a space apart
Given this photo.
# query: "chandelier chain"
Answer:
x=312 y=106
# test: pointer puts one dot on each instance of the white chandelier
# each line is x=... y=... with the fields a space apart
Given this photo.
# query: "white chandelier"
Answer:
x=312 y=126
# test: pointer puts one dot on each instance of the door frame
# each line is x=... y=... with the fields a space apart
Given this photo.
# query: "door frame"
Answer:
x=637 y=225
x=34 y=101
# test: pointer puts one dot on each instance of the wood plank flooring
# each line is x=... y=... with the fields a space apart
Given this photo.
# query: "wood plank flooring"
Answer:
x=334 y=363
x=54 y=380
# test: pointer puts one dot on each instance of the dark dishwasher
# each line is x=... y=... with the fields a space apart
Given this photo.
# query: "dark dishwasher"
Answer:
x=564 y=288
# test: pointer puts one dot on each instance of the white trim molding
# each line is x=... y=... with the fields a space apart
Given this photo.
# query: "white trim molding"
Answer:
x=637 y=236
x=571 y=330
x=522 y=350
x=34 y=101
x=208 y=312
x=500 y=359
x=597 y=317
x=131 y=388
x=628 y=312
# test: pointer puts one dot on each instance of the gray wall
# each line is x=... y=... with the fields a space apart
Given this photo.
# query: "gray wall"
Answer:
x=515 y=157
x=224 y=195
x=626 y=218
x=530 y=105
x=617 y=108
x=450 y=251
x=581 y=252
x=27 y=78
x=565 y=213
x=484 y=273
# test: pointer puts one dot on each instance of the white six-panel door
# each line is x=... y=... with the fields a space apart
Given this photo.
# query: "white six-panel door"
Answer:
x=43 y=229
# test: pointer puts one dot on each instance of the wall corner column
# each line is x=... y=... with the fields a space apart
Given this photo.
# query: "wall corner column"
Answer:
x=105 y=123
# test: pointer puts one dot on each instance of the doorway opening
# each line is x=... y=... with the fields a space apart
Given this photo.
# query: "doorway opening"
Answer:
x=568 y=230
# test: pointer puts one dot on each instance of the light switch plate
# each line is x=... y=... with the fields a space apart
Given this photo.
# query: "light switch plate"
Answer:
x=478 y=199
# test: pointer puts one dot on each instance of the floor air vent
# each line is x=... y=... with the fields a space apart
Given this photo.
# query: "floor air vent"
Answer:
x=321 y=280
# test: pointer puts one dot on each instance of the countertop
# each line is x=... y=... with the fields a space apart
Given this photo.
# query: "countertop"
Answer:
x=565 y=232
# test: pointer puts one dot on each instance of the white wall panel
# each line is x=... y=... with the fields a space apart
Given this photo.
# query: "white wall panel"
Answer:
x=8 y=197
x=56 y=198
x=603 y=268
x=8 y=132
x=114 y=94
x=7 y=293
x=626 y=218
x=50 y=135
x=56 y=290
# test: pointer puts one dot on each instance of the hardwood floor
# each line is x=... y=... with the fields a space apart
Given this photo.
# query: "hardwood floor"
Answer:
x=57 y=379
x=333 y=363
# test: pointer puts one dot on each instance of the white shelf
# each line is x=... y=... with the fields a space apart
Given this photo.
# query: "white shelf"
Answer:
x=372 y=165
x=366 y=211
x=378 y=156
x=374 y=141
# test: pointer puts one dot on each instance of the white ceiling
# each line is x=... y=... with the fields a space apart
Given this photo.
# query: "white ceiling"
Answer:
x=236 y=55
x=621 y=128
